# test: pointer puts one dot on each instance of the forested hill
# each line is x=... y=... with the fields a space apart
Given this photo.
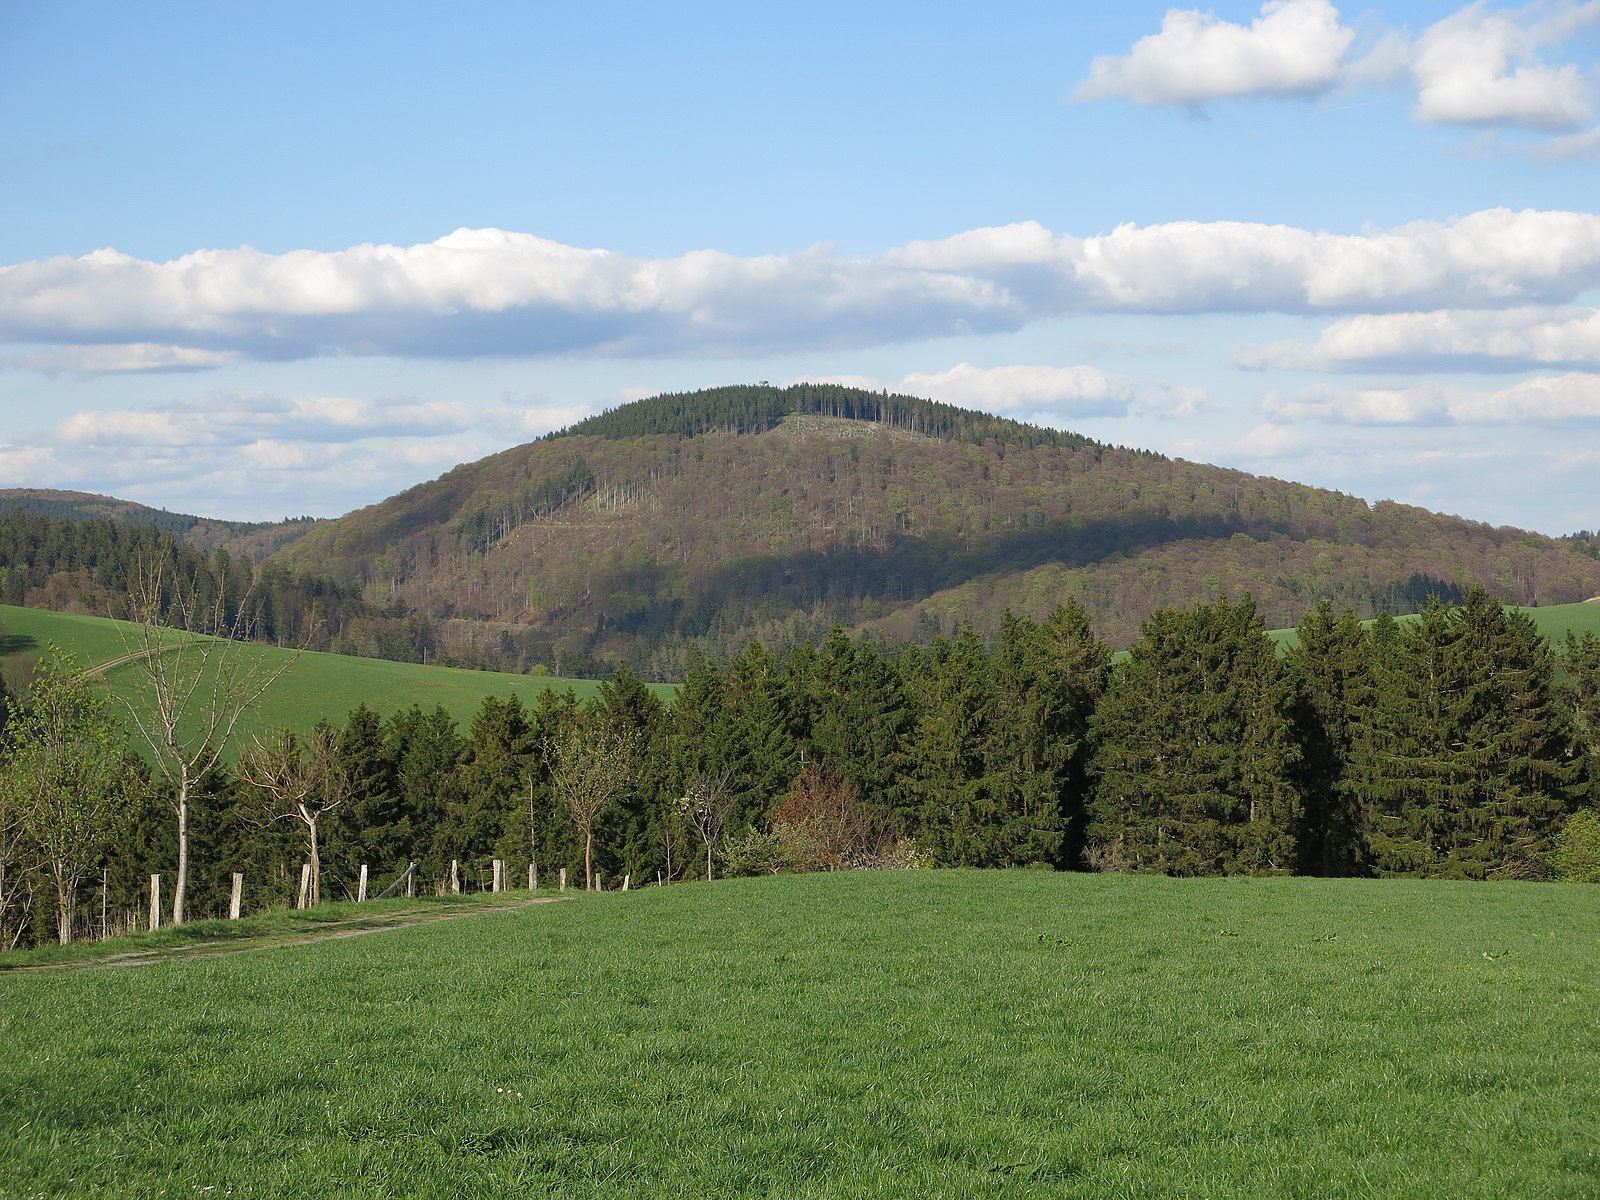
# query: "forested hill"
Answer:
x=252 y=539
x=700 y=521
x=747 y=409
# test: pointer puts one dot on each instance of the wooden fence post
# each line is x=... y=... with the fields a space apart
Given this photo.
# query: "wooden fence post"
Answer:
x=455 y=877
x=411 y=882
x=155 y=903
x=563 y=879
x=599 y=882
x=305 y=886
x=238 y=896
x=361 y=888
x=499 y=883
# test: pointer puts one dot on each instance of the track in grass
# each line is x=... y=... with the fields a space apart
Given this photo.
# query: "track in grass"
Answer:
x=913 y=1034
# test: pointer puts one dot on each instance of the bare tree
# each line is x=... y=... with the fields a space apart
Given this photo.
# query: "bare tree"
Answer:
x=296 y=782
x=708 y=803
x=592 y=762
x=67 y=777
x=194 y=679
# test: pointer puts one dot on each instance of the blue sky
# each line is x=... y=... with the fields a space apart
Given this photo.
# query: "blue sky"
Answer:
x=267 y=260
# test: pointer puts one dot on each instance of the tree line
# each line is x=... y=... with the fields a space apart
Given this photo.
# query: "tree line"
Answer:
x=1459 y=744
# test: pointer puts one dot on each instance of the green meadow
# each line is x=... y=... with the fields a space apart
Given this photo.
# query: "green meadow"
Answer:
x=910 y=1034
x=315 y=686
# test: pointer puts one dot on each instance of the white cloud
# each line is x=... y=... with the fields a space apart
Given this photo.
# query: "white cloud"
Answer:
x=114 y=359
x=238 y=454
x=1475 y=67
x=1507 y=339
x=1294 y=48
x=1261 y=447
x=1560 y=399
x=1478 y=67
x=488 y=292
x=1037 y=393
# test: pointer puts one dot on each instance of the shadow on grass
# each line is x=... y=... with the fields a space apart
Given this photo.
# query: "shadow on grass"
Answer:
x=16 y=643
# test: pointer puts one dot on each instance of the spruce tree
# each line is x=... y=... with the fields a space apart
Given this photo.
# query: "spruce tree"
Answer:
x=1193 y=752
x=1466 y=759
x=1331 y=686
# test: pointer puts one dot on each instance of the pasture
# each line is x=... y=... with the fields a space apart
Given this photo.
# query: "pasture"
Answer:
x=910 y=1034
x=316 y=685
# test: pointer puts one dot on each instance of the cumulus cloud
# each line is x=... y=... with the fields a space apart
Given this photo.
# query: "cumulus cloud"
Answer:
x=1294 y=48
x=1475 y=67
x=1478 y=67
x=1573 y=397
x=1036 y=392
x=490 y=292
x=230 y=454
x=1509 y=339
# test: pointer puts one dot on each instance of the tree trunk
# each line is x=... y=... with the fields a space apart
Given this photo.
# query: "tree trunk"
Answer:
x=588 y=859
x=183 y=849
x=63 y=910
x=316 y=865
x=708 y=862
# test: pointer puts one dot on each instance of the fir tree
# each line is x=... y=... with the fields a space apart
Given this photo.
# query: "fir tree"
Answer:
x=1194 y=754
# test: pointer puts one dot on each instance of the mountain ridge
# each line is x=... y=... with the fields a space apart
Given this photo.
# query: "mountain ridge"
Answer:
x=696 y=521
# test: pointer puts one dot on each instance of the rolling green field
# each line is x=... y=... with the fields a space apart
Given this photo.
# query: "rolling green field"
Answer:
x=912 y=1034
x=1554 y=621
x=317 y=685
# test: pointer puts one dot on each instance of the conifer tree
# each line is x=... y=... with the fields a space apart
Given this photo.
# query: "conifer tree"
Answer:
x=1331 y=686
x=949 y=810
x=1466 y=758
x=1193 y=750
x=1047 y=680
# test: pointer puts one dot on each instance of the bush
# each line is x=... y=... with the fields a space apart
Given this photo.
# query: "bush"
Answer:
x=1577 y=854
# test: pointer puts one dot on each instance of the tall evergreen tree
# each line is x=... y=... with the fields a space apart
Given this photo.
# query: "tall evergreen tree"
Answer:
x=1580 y=665
x=1331 y=686
x=486 y=812
x=1047 y=681
x=1466 y=757
x=948 y=806
x=1194 y=752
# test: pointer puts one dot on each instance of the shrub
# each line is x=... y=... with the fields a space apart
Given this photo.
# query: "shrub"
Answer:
x=1577 y=853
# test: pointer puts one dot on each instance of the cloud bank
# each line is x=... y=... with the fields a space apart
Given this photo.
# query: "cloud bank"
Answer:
x=1506 y=340
x=1560 y=399
x=487 y=292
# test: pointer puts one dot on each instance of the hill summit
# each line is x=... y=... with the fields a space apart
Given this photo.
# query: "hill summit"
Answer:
x=708 y=518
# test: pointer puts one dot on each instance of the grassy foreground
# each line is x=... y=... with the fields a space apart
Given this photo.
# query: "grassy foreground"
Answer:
x=927 y=1033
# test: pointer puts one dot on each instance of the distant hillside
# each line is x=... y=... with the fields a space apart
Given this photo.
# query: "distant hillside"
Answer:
x=709 y=518
x=252 y=539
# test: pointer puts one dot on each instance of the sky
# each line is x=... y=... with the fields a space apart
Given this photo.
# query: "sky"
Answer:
x=265 y=261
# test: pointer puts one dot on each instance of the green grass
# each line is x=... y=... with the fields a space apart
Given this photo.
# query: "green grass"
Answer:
x=919 y=1034
x=317 y=685
x=274 y=927
x=1553 y=620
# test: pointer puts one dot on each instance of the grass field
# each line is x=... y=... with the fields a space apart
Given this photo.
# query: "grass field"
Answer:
x=1554 y=621
x=915 y=1034
x=316 y=685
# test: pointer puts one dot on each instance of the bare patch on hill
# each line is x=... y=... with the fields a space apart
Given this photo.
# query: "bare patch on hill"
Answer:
x=844 y=427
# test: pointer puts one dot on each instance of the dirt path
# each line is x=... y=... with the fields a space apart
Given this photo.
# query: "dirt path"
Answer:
x=355 y=927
